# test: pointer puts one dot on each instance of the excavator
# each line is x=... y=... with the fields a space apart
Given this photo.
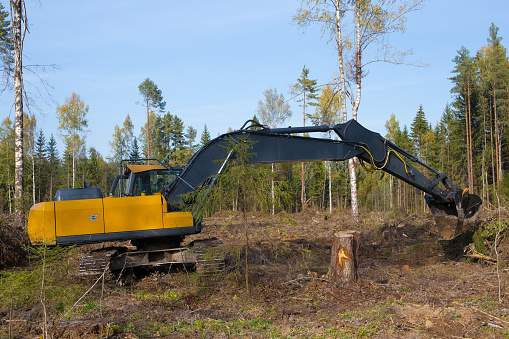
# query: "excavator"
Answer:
x=149 y=204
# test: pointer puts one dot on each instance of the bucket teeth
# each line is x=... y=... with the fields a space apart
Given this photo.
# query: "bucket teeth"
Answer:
x=455 y=218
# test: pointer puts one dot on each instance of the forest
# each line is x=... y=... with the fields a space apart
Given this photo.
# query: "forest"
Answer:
x=469 y=143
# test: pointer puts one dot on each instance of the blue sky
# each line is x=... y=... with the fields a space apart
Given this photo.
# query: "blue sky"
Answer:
x=213 y=60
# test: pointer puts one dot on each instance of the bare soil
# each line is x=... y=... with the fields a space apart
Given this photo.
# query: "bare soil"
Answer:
x=409 y=284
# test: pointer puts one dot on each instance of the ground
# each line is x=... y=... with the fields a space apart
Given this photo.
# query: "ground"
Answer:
x=409 y=284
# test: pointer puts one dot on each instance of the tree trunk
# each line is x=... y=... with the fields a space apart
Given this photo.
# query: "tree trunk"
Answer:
x=492 y=153
x=469 y=133
x=353 y=191
x=497 y=136
x=330 y=187
x=272 y=210
x=18 y=104
x=148 y=133
x=73 y=163
x=33 y=180
x=342 y=96
x=302 y=182
x=391 y=195
x=345 y=256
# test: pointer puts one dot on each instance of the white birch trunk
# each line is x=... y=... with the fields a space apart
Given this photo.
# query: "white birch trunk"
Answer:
x=358 y=65
x=342 y=96
x=18 y=104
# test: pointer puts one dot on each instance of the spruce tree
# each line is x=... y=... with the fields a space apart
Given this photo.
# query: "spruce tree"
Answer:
x=419 y=128
x=205 y=136
x=41 y=167
x=54 y=167
x=135 y=151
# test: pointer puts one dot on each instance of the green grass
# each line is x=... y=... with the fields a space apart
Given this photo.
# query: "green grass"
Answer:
x=48 y=279
x=209 y=326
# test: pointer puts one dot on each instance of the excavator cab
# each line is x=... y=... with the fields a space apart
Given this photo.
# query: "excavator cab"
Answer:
x=147 y=179
x=140 y=180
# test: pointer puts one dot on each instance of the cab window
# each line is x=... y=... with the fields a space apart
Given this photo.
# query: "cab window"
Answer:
x=151 y=182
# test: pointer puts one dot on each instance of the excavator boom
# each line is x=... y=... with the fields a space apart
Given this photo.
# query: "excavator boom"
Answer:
x=454 y=209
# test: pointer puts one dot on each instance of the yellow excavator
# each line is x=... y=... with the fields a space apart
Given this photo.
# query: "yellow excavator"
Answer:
x=147 y=203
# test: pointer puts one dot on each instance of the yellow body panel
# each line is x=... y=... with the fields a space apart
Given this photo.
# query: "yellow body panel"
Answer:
x=50 y=222
x=41 y=224
x=178 y=219
x=77 y=217
x=133 y=213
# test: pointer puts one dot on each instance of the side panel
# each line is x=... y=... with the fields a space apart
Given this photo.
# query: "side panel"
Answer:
x=76 y=217
x=41 y=224
x=178 y=219
x=133 y=213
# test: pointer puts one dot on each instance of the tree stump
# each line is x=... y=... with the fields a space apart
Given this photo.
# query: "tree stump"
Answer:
x=345 y=256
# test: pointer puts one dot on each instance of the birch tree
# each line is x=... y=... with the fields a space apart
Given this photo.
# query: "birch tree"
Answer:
x=18 y=33
x=273 y=112
x=367 y=24
x=72 y=123
x=123 y=140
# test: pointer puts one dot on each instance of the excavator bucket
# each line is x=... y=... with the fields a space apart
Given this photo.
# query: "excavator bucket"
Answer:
x=454 y=218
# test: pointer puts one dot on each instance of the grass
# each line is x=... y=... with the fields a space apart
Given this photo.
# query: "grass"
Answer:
x=208 y=327
x=50 y=279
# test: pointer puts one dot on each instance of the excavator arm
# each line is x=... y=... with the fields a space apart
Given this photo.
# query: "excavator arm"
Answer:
x=79 y=216
x=454 y=209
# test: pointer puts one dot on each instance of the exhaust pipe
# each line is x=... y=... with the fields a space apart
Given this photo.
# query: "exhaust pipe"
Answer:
x=454 y=218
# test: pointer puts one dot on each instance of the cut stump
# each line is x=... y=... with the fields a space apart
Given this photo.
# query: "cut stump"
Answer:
x=345 y=256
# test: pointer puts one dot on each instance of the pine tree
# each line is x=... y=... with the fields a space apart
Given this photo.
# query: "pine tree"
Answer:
x=307 y=88
x=494 y=74
x=465 y=103
x=6 y=49
x=152 y=98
